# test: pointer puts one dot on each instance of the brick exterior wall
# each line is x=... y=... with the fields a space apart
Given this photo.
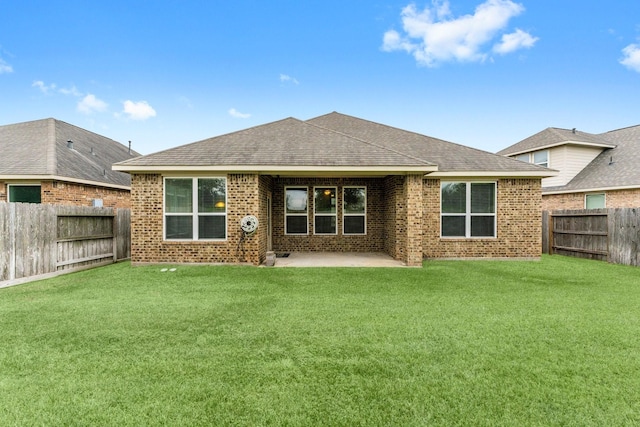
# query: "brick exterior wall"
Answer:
x=147 y=240
x=393 y=209
x=519 y=224
x=413 y=221
x=69 y=193
x=265 y=186
x=613 y=199
x=403 y=220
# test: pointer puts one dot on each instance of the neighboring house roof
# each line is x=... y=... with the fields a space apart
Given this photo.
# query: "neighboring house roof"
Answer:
x=39 y=150
x=333 y=142
x=553 y=137
x=614 y=168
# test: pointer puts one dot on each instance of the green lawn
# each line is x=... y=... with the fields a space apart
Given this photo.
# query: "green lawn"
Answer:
x=478 y=343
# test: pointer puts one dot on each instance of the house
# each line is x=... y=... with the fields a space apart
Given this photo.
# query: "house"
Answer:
x=331 y=183
x=595 y=170
x=50 y=161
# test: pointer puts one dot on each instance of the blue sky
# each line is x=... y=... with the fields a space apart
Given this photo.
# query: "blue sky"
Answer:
x=164 y=73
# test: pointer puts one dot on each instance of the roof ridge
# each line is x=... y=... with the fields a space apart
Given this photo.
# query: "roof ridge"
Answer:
x=576 y=131
x=426 y=162
x=617 y=130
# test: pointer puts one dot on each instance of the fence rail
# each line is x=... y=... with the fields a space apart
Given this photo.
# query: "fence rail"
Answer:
x=43 y=240
x=611 y=235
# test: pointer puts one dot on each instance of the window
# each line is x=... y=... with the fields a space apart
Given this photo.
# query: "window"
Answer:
x=324 y=210
x=354 y=210
x=295 y=210
x=468 y=209
x=594 y=201
x=195 y=208
x=540 y=158
x=24 y=193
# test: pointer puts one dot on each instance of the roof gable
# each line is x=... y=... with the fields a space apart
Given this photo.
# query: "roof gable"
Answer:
x=553 y=137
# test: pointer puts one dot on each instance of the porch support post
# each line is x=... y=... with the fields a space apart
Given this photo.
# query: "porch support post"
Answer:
x=414 y=228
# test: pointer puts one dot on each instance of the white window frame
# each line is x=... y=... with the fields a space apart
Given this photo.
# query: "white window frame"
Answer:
x=344 y=214
x=306 y=214
x=468 y=215
x=194 y=214
x=18 y=184
x=603 y=194
x=324 y=214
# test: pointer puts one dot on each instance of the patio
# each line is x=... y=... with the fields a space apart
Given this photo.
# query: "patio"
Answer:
x=337 y=259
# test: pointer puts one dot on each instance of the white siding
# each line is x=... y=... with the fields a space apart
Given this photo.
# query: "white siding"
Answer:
x=569 y=160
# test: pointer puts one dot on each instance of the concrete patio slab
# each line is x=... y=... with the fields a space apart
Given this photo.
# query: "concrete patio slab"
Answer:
x=337 y=259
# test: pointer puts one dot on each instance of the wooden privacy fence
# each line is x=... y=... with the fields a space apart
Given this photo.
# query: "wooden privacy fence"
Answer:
x=611 y=235
x=44 y=240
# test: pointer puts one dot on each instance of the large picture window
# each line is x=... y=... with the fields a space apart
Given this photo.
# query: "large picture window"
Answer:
x=195 y=208
x=354 y=210
x=295 y=210
x=325 y=210
x=24 y=193
x=468 y=209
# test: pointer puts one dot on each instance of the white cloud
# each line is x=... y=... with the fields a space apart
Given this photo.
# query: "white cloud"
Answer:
x=43 y=87
x=140 y=110
x=90 y=104
x=631 y=57
x=5 y=68
x=285 y=78
x=48 y=89
x=514 y=41
x=434 y=36
x=237 y=114
x=70 y=91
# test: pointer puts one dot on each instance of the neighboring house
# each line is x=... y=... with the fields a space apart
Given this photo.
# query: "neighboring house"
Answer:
x=332 y=183
x=50 y=161
x=595 y=171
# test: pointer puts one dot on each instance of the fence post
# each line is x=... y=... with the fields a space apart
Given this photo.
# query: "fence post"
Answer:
x=545 y=232
x=610 y=230
x=114 y=232
x=12 y=241
x=550 y=226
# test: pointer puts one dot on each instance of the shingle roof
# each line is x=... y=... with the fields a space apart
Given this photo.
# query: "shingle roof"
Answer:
x=39 y=148
x=285 y=142
x=330 y=141
x=614 y=167
x=551 y=137
x=449 y=156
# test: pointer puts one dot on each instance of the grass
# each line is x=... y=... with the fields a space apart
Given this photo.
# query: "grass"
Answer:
x=479 y=343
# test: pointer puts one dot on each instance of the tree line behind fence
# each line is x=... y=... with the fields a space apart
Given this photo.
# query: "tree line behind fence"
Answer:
x=611 y=235
x=41 y=239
